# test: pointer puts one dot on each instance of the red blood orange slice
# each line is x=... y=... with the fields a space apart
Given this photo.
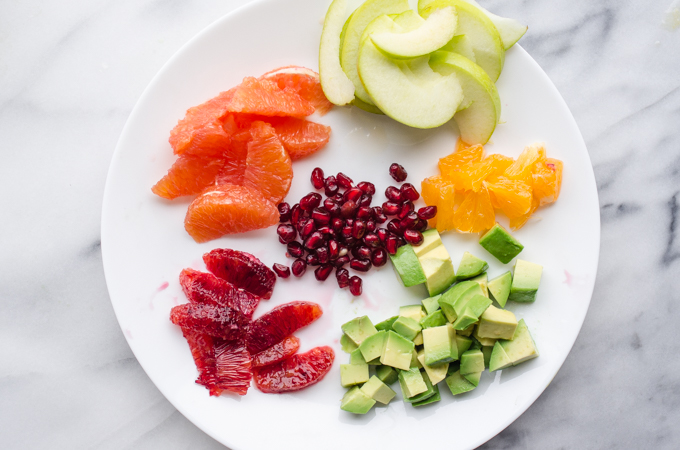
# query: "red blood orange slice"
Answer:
x=268 y=166
x=295 y=373
x=232 y=367
x=206 y=288
x=279 y=323
x=305 y=82
x=228 y=209
x=216 y=321
x=241 y=269
x=189 y=175
x=277 y=352
x=203 y=351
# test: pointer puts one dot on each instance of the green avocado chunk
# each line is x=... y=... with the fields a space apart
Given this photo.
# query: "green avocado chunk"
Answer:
x=498 y=359
x=371 y=348
x=359 y=329
x=435 y=397
x=431 y=239
x=347 y=344
x=522 y=346
x=357 y=358
x=462 y=343
x=436 y=319
x=387 y=374
x=501 y=244
x=474 y=307
x=407 y=266
x=470 y=266
x=414 y=312
x=448 y=299
x=378 y=391
x=496 y=323
x=387 y=324
x=351 y=374
x=412 y=383
x=439 y=344
x=525 y=281
x=483 y=281
x=407 y=327
x=436 y=372
x=431 y=304
x=427 y=393
x=438 y=270
x=397 y=351
x=471 y=361
x=356 y=401
x=458 y=384
x=499 y=288
x=473 y=377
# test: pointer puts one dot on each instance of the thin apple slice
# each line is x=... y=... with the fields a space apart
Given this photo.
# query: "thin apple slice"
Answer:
x=410 y=93
x=431 y=35
x=481 y=32
x=337 y=87
x=366 y=107
x=356 y=25
x=481 y=103
x=460 y=44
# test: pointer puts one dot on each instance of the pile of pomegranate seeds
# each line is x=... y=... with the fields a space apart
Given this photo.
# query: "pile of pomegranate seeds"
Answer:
x=341 y=227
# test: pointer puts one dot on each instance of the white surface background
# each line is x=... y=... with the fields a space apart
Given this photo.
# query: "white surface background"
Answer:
x=71 y=71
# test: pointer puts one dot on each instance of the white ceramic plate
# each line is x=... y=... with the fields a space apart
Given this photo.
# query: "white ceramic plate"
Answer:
x=145 y=246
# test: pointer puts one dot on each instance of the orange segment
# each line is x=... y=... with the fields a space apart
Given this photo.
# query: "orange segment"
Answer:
x=228 y=209
x=458 y=161
x=301 y=137
x=475 y=212
x=189 y=175
x=264 y=97
x=521 y=169
x=430 y=189
x=305 y=82
x=513 y=197
x=547 y=180
x=518 y=222
x=268 y=167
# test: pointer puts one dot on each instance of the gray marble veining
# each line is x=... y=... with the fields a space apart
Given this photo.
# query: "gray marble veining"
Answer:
x=71 y=71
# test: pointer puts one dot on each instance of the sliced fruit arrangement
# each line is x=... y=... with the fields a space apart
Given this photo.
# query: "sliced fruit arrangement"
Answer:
x=452 y=336
x=229 y=348
x=344 y=229
x=235 y=151
x=471 y=187
x=420 y=68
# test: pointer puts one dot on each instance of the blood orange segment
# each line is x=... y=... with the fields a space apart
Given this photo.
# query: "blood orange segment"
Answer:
x=547 y=180
x=241 y=269
x=189 y=175
x=277 y=352
x=232 y=367
x=301 y=137
x=305 y=82
x=262 y=96
x=202 y=348
x=206 y=288
x=513 y=197
x=475 y=212
x=295 y=373
x=268 y=166
x=279 y=323
x=228 y=209
x=216 y=321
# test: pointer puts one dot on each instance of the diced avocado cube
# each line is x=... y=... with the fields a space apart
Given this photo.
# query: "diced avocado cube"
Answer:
x=485 y=342
x=374 y=362
x=498 y=359
x=522 y=346
x=497 y=324
x=411 y=382
x=449 y=298
x=463 y=299
x=373 y=345
x=414 y=312
x=356 y=401
x=351 y=374
x=474 y=308
x=357 y=358
x=470 y=266
x=465 y=319
x=436 y=319
x=436 y=372
x=378 y=391
x=499 y=288
x=475 y=344
x=467 y=331
x=435 y=397
x=359 y=329
x=418 y=340
x=407 y=266
x=386 y=324
x=414 y=360
x=387 y=374
x=347 y=344
x=431 y=239
x=429 y=392
x=500 y=244
x=471 y=361
x=431 y=304
x=407 y=327
x=473 y=377
x=438 y=270
x=487 y=355
x=483 y=281
x=397 y=351
x=439 y=344
x=458 y=384
x=525 y=281
x=462 y=344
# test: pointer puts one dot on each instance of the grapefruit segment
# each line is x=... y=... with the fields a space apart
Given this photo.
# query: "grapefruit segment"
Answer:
x=301 y=137
x=295 y=373
x=268 y=166
x=305 y=82
x=189 y=175
x=264 y=97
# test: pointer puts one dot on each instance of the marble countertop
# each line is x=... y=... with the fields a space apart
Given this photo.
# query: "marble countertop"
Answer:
x=70 y=73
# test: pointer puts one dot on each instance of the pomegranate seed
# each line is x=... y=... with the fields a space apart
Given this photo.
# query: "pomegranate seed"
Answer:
x=344 y=181
x=341 y=261
x=295 y=249
x=331 y=187
x=337 y=224
x=310 y=201
x=306 y=228
x=353 y=194
x=409 y=192
x=333 y=249
x=342 y=275
x=371 y=226
x=372 y=240
x=398 y=172
x=365 y=200
x=379 y=257
x=358 y=229
x=382 y=234
x=348 y=209
x=286 y=233
x=323 y=255
x=409 y=222
x=391 y=208
x=360 y=265
x=380 y=217
x=299 y=267
x=346 y=231
x=393 y=194
x=281 y=270
x=338 y=198
x=427 y=212
x=321 y=216
x=355 y=286
x=363 y=252
x=366 y=187
x=317 y=178
x=350 y=242
x=400 y=241
x=284 y=212
x=295 y=214
x=314 y=241
x=413 y=237
x=364 y=212
x=311 y=259
x=391 y=244
x=323 y=271
x=349 y=222
x=325 y=230
x=421 y=225
x=406 y=208
x=394 y=226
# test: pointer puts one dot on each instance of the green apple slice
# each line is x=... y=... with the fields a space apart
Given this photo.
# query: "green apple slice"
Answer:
x=337 y=87
x=484 y=38
x=366 y=107
x=431 y=35
x=408 y=20
x=410 y=93
x=478 y=120
x=360 y=19
x=460 y=44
